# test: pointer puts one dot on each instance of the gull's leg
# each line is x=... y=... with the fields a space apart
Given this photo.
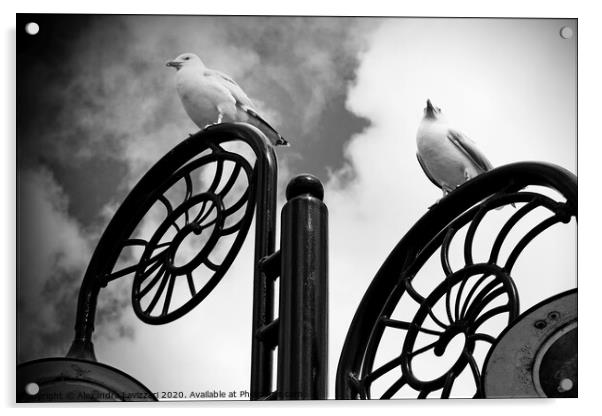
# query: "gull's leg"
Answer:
x=220 y=117
x=466 y=176
x=446 y=191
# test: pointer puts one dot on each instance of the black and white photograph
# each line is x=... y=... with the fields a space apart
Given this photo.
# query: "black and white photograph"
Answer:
x=269 y=207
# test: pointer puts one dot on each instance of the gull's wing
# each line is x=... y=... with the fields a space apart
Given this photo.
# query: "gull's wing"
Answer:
x=245 y=104
x=426 y=171
x=469 y=148
x=258 y=121
x=231 y=85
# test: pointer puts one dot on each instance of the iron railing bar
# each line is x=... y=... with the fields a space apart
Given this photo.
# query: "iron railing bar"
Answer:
x=269 y=333
x=155 y=299
x=507 y=227
x=395 y=387
x=166 y=203
x=445 y=265
x=472 y=229
x=474 y=368
x=423 y=349
x=187 y=196
x=190 y=281
x=131 y=269
x=424 y=394
x=238 y=204
x=211 y=265
x=358 y=386
x=538 y=229
x=270 y=265
x=189 y=190
x=144 y=275
x=213 y=207
x=231 y=230
x=382 y=370
x=219 y=169
x=478 y=307
x=472 y=291
x=459 y=299
x=421 y=300
x=167 y=300
x=482 y=337
x=449 y=383
x=418 y=298
x=395 y=323
x=134 y=242
x=153 y=282
x=489 y=314
x=232 y=180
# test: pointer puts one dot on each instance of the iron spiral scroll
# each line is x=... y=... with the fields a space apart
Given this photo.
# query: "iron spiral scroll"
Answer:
x=182 y=226
x=199 y=214
x=472 y=301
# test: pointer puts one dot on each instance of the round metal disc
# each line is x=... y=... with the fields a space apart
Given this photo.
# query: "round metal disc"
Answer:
x=537 y=355
x=70 y=380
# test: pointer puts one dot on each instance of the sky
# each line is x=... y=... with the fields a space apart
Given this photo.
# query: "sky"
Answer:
x=97 y=107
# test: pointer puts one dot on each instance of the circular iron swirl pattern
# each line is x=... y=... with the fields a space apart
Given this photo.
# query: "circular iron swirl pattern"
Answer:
x=417 y=329
x=472 y=316
x=195 y=225
x=180 y=228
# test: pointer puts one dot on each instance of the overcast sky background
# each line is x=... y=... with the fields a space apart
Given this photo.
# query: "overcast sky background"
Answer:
x=97 y=107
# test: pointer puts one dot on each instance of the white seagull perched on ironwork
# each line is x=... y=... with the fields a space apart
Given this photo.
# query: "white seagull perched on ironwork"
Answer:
x=448 y=157
x=209 y=95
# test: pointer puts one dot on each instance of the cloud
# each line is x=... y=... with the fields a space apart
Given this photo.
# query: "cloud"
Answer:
x=500 y=95
x=104 y=99
x=54 y=251
x=112 y=95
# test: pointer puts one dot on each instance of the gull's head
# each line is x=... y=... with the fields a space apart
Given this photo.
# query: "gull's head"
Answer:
x=430 y=111
x=185 y=60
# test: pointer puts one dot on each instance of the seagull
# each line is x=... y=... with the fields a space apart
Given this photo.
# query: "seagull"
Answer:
x=447 y=157
x=209 y=95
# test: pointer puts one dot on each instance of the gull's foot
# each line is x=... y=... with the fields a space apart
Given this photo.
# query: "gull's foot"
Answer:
x=436 y=203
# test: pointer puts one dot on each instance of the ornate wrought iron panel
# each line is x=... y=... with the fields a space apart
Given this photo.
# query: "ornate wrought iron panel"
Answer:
x=197 y=200
x=468 y=296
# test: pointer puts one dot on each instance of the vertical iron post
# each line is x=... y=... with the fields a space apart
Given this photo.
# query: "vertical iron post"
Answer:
x=303 y=308
x=263 y=285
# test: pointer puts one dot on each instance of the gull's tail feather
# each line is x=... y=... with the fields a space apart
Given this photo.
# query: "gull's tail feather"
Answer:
x=255 y=119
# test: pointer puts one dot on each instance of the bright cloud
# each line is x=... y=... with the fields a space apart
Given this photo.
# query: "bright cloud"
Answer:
x=508 y=84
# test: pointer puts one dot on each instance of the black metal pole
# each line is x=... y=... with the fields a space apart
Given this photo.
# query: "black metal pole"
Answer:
x=303 y=310
x=263 y=285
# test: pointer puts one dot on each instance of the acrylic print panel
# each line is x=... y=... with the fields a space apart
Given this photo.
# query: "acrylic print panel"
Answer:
x=152 y=186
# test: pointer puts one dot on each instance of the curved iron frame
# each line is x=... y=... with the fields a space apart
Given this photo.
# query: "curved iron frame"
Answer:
x=167 y=171
x=467 y=204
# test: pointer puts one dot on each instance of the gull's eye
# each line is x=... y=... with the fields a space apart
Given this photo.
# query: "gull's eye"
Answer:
x=186 y=58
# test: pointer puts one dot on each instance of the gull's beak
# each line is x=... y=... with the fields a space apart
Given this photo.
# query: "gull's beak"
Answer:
x=429 y=111
x=174 y=64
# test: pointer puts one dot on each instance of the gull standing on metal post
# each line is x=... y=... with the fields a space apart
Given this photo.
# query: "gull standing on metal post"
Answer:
x=209 y=95
x=448 y=157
